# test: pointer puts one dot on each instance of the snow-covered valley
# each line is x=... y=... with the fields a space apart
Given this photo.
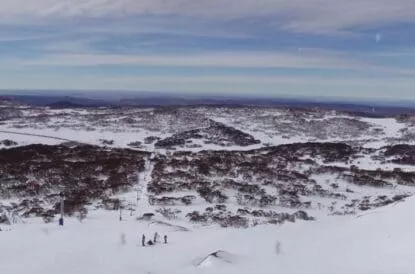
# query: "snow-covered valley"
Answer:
x=236 y=190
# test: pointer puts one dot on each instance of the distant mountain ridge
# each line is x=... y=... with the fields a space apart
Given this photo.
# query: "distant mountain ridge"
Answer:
x=77 y=101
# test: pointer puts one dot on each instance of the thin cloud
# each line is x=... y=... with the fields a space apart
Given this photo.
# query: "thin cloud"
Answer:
x=350 y=87
x=318 y=16
x=250 y=59
x=337 y=36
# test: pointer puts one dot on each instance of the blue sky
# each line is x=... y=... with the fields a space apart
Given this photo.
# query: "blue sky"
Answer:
x=332 y=48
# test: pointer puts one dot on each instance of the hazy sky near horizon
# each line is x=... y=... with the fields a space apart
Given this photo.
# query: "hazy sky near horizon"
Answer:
x=354 y=48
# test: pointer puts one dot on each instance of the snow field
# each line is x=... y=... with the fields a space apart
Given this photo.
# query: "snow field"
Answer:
x=380 y=241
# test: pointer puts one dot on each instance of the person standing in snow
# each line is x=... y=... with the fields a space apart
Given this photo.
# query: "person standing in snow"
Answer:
x=143 y=240
x=156 y=235
x=165 y=239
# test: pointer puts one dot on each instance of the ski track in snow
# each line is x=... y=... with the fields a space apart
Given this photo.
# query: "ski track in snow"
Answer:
x=35 y=135
x=144 y=181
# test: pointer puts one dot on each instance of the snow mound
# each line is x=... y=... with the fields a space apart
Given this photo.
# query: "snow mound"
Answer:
x=216 y=258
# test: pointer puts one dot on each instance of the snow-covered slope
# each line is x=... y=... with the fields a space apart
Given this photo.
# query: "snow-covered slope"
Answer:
x=310 y=191
x=125 y=126
x=381 y=241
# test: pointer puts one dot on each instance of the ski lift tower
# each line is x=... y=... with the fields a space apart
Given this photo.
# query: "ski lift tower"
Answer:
x=62 y=197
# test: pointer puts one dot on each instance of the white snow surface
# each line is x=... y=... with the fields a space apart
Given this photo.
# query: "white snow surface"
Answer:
x=270 y=126
x=380 y=241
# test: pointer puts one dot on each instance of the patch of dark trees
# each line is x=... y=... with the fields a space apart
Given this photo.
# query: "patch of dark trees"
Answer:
x=217 y=133
x=8 y=143
x=83 y=173
x=401 y=154
x=219 y=215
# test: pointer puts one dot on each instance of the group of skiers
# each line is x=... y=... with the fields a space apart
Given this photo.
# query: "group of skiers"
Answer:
x=155 y=240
